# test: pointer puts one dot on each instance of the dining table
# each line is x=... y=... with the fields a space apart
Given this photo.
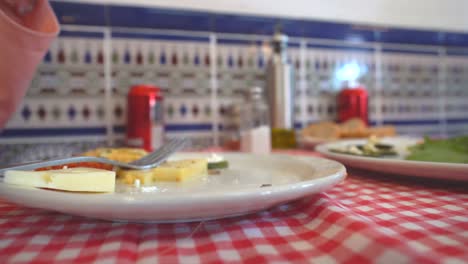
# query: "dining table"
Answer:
x=370 y=217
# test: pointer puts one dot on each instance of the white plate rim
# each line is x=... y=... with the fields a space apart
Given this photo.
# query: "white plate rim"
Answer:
x=290 y=189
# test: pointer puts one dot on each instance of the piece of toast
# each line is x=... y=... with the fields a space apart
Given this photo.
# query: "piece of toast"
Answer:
x=354 y=128
x=325 y=130
x=383 y=131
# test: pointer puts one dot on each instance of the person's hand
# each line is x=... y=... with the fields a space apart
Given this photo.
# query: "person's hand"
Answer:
x=21 y=7
x=17 y=9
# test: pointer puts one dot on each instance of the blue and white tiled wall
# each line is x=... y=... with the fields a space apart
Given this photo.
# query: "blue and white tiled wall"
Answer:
x=418 y=80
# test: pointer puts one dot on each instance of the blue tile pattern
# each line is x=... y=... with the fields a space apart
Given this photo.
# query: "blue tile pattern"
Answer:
x=170 y=48
x=160 y=18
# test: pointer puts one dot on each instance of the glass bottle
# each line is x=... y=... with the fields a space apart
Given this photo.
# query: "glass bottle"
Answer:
x=280 y=91
x=255 y=132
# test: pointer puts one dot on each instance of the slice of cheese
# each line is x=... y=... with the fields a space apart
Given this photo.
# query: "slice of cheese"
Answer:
x=73 y=179
x=177 y=171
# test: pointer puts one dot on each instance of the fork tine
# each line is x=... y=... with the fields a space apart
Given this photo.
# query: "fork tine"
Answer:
x=144 y=159
x=170 y=147
x=178 y=144
x=158 y=160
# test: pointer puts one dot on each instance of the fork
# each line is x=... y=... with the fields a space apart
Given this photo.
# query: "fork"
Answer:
x=147 y=162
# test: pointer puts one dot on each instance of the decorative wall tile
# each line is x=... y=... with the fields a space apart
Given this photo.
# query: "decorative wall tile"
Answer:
x=419 y=89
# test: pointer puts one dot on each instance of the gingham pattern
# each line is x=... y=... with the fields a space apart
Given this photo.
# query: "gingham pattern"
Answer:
x=369 y=218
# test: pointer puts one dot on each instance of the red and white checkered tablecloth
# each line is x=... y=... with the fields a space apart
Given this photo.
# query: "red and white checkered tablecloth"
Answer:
x=369 y=218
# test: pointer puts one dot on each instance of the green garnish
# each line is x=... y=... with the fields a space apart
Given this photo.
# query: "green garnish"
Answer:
x=452 y=150
x=218 y=165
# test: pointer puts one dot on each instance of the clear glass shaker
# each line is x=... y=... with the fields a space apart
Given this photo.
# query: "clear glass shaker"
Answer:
x=255 y=132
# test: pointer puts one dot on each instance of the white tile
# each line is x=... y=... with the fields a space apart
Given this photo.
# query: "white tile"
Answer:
x=364 y=208
x=407 y=203
x=221 y=236
x=80 y=238
x=411 y=226
x=409 y=213
x=40 y=240
x=347 y=202
x=68 y=253
x=31 y=219
x=323 y=259
x=332 y=231
x=367 y=197
x=385 y=216
x=115 y=232
x=16 y=231
x=391 y=257
x=336 y=208
x=110 y=246
x=448 y=198
x=459 y=218
x=453 y=261
x=419 y=246
x=5 y=242
x=253 y=232
x=148 y=245
x=356 y=242
x=426 y=200
x=24 y=257
x=452 y=207
x=189 y=259
x=185 y=243
x=438 y=223
x=108 y=260
x=55 y=227
x=431 y=210
x=386 y=205
x=301 y=245
x=149 y=260
x=387 y=231
x=284 y=230
x=368 y=191
x=386 y=196
x=87 y=226
x=229 y=255
x=266 y=249
x=446 y=240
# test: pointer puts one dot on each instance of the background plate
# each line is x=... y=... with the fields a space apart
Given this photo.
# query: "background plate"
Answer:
x=396 y=165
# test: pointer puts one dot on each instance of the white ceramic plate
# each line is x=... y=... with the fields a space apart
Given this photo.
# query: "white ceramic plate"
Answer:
x=396 y=165
x=234 y=192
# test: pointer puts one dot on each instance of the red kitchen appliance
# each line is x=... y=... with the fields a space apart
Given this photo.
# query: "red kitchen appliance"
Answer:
x=353 y=102
x=145 y=123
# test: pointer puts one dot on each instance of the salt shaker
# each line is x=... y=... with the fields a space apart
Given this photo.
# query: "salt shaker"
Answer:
x=255 y=132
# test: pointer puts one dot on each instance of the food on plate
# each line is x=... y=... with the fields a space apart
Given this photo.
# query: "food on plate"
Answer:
x=452 y=150
x=88 y=176
x=353 y=128
x=217 y=162
x=118 y=154
x=176 y=171
x=382 y=131
x=372 y=148
x=66 y=179
x=325 y=130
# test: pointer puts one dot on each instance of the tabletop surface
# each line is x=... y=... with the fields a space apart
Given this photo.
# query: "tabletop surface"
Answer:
x=368 y=218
